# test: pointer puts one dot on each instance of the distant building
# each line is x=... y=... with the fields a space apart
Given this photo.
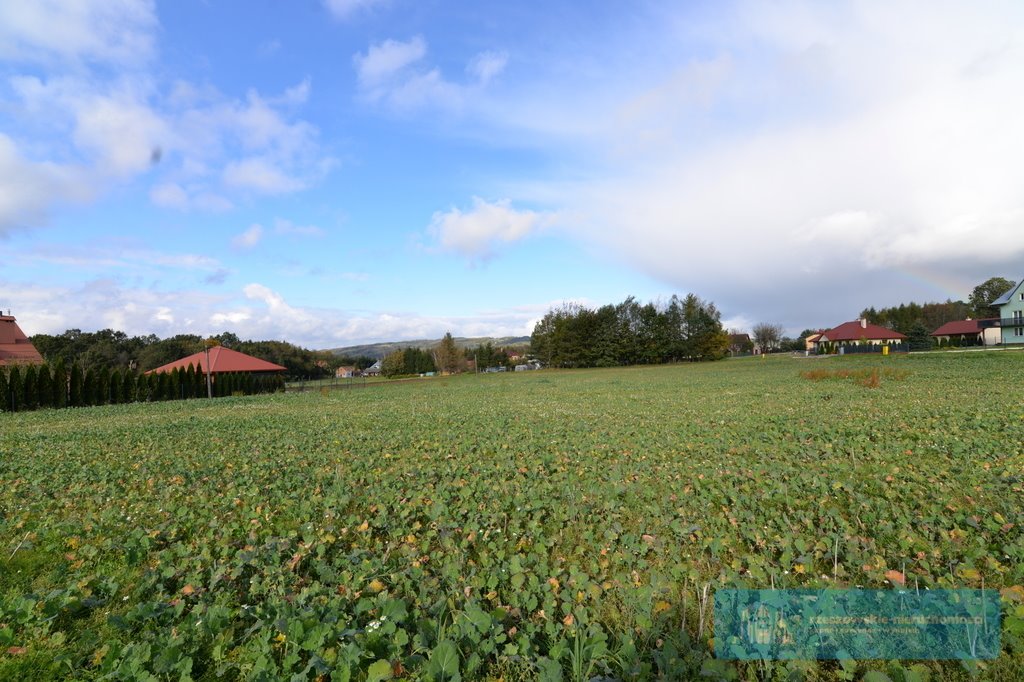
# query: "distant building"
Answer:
x=345 y=372
x=1011 y=313
x=222 y=361
x=15 y=348
x=811 y=342
x=860 y=333
x=740 y=343
x=373 y=370
x=969 y=332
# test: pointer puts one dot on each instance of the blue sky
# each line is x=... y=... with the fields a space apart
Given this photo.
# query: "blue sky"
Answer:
x=345 y=171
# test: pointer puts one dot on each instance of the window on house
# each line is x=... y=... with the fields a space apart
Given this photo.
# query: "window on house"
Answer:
x=1019 y=331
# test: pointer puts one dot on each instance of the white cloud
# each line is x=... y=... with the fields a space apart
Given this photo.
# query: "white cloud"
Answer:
x=92 y=30
x=343 y=9
x=477 y=232
x=200 y=145
x=173 y=195
x=820 y=152
x=169 y=195
x=393 y=73
x=28 y=189
x=260 y=175
x=486 y=65
x=249 y=238
x=121 y=256
x=297 y=94
x=255 y=312
x=384 y=60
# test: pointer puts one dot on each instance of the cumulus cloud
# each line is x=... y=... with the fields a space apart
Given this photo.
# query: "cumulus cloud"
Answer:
x=486 y=65
x=90 y=30
x=475 y=233
x=393 y=72
x=261 y=175
x=249 y=238
x=820 y=152
x=28 y=189
x=169 y=195
x=386 y=59
x=123 y=122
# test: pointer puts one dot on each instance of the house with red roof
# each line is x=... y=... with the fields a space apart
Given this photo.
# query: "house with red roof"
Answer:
x=15 y=348
x=968 y=333
x=859 y=336
x=811 y=341
x=222 y=361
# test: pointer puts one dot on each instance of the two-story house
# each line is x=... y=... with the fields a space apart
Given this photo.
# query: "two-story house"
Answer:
x=1011 y=312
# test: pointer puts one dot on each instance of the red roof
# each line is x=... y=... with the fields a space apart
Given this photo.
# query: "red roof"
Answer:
x=962 y=327
x=15 y=348
x=222 y=360
x=855 y=331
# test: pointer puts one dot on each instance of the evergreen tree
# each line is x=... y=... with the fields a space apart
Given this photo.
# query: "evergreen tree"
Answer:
x=29 y=388
x=145 y=387
x=200 y=385
x=76 y=388
x=164 y=390
x=447 y=356
x=59 y=385
x=44 y=386
x=190 y=381
x=128 y=386
x=918 y=338
x=5 y=398
x=15 y=387
x=103 y=386
x=115 y=387
x=89 y=396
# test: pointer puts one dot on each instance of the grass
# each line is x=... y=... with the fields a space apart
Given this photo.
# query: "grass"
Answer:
x=520 y=522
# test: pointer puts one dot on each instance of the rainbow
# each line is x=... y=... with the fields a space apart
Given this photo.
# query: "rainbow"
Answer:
x=951 y=286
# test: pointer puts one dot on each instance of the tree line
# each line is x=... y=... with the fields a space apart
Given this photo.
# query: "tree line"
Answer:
x=908 y=318
x=116 y=350
x=32 y=387
x=687 y=329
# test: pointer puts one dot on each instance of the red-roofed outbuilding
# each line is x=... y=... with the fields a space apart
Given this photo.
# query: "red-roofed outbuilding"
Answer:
x=222 y=361
x=969 y=332
x=15 y=348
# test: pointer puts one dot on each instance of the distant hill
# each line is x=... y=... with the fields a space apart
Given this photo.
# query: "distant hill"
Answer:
x=379 y=350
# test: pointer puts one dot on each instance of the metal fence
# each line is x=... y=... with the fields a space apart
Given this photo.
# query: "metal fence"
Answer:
x=861 y=348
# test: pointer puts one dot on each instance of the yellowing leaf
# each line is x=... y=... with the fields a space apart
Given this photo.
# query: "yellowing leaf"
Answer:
x=896 y=577
x=376 y=585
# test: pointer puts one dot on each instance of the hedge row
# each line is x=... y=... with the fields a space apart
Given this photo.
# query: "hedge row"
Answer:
x=31 y=387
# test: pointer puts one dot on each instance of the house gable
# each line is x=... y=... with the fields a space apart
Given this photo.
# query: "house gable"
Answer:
x=1011 y=312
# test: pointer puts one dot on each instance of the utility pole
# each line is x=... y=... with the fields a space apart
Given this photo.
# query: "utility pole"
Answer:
x=209 y=343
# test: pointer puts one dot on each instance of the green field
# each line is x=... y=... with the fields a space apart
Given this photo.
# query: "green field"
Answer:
x=536 y=525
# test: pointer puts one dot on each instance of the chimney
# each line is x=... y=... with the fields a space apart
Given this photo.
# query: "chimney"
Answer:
x=863 y=323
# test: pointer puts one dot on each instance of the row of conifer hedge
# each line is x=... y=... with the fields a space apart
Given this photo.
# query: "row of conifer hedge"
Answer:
x=32 y=387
